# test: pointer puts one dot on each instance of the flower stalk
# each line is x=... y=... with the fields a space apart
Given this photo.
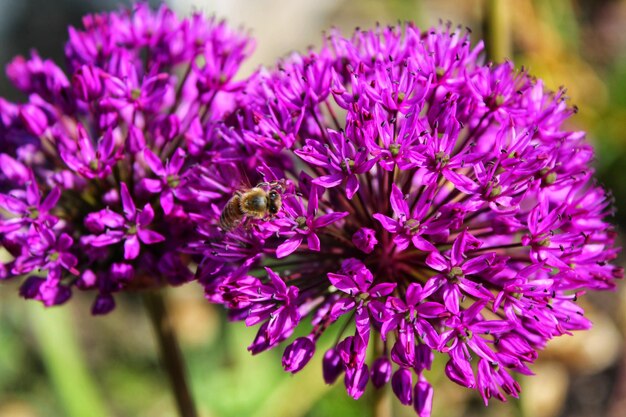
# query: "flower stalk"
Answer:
x=498 y=43
x=171 y=355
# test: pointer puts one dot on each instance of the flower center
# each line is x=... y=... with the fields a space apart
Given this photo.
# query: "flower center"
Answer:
x=135 y=93
x=455 y=273
x=442 y=159
x=413 y=226
x=173 y=181
x=33 y=213
x=347 y=165
x=301 y=220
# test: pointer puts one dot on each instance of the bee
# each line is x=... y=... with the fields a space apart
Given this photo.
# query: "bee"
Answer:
x=259 y=202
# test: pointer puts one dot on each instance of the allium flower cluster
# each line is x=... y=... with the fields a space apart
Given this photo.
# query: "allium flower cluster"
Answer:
x=430 y=204
x=92 y=189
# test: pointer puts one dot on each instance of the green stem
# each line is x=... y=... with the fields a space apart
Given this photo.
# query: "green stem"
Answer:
x=170 y=353
x=496 y=27
x=65 y=363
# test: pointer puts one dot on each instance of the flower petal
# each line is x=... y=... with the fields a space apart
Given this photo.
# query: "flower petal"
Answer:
x=288 y=246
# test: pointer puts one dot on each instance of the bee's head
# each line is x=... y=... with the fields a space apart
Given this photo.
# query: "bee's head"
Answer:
x=274 y=200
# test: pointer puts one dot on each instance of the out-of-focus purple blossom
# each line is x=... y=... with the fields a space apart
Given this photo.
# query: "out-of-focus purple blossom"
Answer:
x=432 y=204
x=365 y=239
x=92 y=182
x=132 y=227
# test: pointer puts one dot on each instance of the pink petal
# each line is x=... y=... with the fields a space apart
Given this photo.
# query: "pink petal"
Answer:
x=127 y=202
x=388 y=223
x=146 y=216
x=150 y=237
x=327 y=219
x=51 y=199
x=288 y=246
x=154 y=162
x=152 y=185
x=352 y=186
x=398 y=203
x=313 y=242
x=329 y=181
x=131 y=247
x=167 y=201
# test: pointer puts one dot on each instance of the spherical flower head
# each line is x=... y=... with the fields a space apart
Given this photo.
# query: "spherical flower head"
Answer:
x=92 y=190
x=431 y=204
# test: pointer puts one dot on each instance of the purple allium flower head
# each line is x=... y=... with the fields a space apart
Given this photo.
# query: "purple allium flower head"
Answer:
x=92 y=192
x=432 y=205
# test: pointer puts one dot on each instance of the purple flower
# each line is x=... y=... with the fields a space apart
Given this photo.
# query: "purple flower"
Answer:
x=408 y=227
x=341 y=159
x=304 y=223
x=132 y=227
x=25 y=207
x=169 y=180
x=82 y=158
x=273 y=303
x=446 y=212
x=94 y=156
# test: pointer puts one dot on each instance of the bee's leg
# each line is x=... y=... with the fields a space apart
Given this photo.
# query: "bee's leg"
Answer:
x=263 y=184
x=247 y=223
x=279 y=184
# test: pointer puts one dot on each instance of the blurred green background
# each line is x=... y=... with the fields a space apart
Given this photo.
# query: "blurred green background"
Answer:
x=63 y=362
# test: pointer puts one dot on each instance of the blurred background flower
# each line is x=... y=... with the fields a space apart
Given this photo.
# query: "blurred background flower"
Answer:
x=578 y=44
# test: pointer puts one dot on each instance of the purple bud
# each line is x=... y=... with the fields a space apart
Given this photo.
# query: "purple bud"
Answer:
x=136 y=140
x=423 y=357
x=260 y=342
x=111 y=197
x=87 y=280
x=17 y=71
x=122 y=272
x=13 y=169
x=461 y=377
x=356 y=381
x=332 y=366
x=103 y=304
x=365 y=239
x=30 y=287
x=402 y=385
x=381 y=371
x=51 y=293
x=298 y=354
x=86 y=83
x=169 y=127
x=34 y=119
x=423 y=398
